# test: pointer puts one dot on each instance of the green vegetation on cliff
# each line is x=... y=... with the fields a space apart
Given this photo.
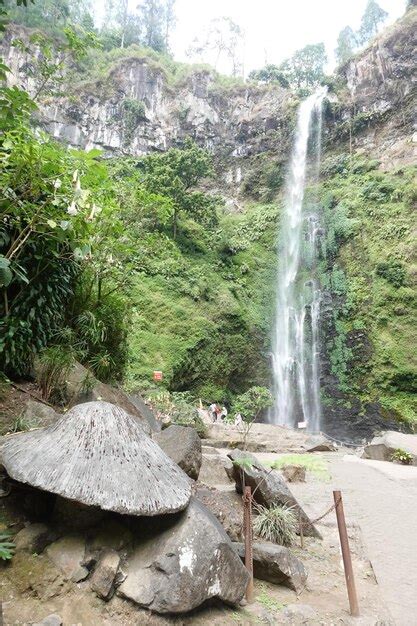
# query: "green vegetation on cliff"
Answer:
x=371 y=271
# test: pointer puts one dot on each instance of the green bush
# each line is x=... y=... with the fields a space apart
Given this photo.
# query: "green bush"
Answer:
x=133 y=112
x=393 y=271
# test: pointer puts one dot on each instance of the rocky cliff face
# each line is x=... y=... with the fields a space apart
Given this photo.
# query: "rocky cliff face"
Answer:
x=381 y=94
x=135 y=110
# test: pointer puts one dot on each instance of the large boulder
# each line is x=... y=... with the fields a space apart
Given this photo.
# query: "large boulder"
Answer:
x=276 y=564
x=382 y=448
x=82 y=386
x=191 y=560
x=227 y=506
x=215 y=469
x=271 y=489
x=98 y=455
x=183 y=445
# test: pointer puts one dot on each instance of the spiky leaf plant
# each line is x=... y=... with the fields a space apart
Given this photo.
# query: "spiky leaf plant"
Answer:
x=277 y=524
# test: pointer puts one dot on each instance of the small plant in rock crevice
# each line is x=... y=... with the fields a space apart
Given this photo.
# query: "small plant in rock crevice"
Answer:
x=401 y=456
x=277 y=524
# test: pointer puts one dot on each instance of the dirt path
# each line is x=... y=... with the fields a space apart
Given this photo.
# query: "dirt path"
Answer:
x=381 y=498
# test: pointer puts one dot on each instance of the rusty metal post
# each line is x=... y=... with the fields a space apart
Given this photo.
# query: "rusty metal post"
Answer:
x=347 y=560
x=247 y=529
x=300 y=521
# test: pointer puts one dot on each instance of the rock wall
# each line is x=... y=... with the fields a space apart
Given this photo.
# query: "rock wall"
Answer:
x=382 y=94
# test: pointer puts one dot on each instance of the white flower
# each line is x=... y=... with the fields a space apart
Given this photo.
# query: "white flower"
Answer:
x=95 y=210
x=57 y=183
x=72 y=209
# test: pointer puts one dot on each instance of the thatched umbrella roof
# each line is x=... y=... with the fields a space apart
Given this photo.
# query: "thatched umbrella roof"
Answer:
x=97 y=454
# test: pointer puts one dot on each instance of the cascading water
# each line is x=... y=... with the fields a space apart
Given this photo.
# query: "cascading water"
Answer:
x=296 y=349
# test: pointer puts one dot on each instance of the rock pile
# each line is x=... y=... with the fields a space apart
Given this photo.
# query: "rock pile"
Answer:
x=106 y=477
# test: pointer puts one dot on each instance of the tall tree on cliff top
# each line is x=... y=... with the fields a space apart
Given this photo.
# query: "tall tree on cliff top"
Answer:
x=305 y=69
x=346 y=43
x=152 y=16
x=373 y=17
x=222 y=39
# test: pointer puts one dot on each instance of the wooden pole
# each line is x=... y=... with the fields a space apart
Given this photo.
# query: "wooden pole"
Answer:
x=347 y=560
x=247 y=528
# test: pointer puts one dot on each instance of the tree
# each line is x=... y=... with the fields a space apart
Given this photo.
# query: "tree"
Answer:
x=346 y=43
x=152 y=16
x=373 y=17
x=175 y=174
x=121 y=27
x=170 y=20
x=250 y=406
x=223 y=38
x=305 y=69
x=269 y=74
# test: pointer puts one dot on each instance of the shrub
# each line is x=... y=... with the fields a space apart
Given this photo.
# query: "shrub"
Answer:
x=55 y=363
x=401 y=456
x=179 y=408
x=133 y=113
x=393 y=272
x=277 y=524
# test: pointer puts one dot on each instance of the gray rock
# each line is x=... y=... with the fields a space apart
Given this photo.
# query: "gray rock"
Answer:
x=294 y=473
x=215 y=469
x=318 y=443
x=104 y=576
x=82 y=386
x=146 y=412
x=227 y=507
x=276 y=564
x=34 y=538
x=382 y=448
x=271 y=488
x=190 y=561
x=99 y=456
x=183 y=445
x=37 y=414
x=68 y=554
x=50 y=620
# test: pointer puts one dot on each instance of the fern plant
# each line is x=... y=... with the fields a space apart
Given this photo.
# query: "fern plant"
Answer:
x=7 y=547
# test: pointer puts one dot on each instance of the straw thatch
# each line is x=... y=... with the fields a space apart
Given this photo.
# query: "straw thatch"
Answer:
x=97 y=454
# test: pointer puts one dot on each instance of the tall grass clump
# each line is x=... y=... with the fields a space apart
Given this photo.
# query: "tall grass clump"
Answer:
x=277 y=524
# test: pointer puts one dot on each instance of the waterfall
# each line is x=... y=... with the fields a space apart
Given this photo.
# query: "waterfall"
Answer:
x=296 y=341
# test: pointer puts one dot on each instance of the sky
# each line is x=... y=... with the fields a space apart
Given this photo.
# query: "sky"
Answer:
x=274 y=29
